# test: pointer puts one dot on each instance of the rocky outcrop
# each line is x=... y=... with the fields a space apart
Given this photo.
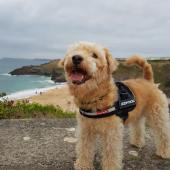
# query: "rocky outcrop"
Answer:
x=28 y=70
x=48 y=69
x=2 y=94
x=57 y=76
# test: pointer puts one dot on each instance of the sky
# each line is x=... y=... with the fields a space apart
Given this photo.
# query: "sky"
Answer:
x=45 y=28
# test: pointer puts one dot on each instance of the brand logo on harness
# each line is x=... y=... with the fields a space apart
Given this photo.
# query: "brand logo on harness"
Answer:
x=127 y=102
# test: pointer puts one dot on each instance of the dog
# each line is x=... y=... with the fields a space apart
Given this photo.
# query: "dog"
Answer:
x=89 y=69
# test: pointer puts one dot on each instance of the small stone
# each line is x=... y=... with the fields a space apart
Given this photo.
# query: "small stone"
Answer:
x=70 y=129
x=26 y=138
x=133 y=153
x=148 y=136
x=70 y=139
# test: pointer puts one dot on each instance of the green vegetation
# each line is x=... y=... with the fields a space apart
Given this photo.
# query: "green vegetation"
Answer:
x=11 y=110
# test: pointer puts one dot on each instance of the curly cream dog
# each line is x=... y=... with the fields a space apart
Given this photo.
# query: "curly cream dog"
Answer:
x=88 y=69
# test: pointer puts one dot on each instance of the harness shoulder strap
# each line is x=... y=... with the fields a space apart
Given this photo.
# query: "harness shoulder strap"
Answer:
x=126 y=101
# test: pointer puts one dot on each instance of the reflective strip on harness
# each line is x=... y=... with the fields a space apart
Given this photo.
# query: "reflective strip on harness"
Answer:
x=83 y=112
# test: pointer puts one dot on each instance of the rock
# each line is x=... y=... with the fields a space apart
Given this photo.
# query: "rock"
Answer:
x=26 y=138
x=133 y=153
x=71 y=129
x=57 y=77
x=2 y=94
x=70 y=139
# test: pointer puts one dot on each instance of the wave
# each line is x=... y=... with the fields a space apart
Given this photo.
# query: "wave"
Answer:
x=28 y=93
x=5 y=74
x=45 y=81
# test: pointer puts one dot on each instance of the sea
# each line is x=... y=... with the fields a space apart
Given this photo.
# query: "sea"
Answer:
x=23 y=86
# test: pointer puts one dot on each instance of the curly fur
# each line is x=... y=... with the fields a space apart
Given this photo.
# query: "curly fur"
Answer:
x=141 y=62
x=152 y=105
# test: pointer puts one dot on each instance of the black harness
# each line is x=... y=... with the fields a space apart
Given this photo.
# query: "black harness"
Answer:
x=126 y=103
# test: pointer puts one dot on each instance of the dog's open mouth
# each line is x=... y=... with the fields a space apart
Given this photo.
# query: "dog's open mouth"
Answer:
x=79 y=76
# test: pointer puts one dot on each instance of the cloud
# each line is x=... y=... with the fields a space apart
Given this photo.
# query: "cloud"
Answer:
x=44 y=28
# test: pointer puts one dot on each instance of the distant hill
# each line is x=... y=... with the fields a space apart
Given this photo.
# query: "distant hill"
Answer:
x=161 y=72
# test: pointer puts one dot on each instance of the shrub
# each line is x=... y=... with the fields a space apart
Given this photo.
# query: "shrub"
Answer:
x=9 y=109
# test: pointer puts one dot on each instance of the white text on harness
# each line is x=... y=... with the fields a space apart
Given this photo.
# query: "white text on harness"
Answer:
x=127 y=102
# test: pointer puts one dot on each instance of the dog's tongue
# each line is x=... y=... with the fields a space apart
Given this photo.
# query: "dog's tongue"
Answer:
x=77 y=76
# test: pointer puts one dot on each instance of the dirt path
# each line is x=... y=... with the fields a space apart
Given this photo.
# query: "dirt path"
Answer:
x=49 y=145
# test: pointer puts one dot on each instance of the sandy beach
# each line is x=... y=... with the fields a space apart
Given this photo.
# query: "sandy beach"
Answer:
x=58 y=97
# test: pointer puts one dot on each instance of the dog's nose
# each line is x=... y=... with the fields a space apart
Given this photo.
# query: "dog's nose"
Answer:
x=77 y=59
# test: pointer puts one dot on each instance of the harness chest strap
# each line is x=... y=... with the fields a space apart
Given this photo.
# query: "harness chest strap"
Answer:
x=126 y=103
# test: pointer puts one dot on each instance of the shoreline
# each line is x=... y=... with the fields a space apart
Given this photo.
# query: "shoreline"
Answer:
x=58 y=97
x=24 y=94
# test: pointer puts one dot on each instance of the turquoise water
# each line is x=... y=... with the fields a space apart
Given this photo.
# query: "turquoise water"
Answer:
x=11 y=84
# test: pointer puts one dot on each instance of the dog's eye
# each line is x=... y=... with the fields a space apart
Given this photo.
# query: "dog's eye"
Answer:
x=94 y=55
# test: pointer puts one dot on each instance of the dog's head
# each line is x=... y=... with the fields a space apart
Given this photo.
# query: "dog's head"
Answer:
x=88 y=63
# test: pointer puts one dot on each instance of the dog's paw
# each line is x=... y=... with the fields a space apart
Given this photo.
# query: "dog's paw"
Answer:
x=81 y=166
x=137 y=144
x=164 y=153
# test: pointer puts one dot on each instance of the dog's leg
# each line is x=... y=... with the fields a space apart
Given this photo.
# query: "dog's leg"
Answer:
x=85 y=150
x=160 y=124
x=137 y=133
x=112 y=147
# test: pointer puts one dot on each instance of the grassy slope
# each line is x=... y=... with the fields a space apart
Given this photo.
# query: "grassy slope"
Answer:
x=22 y=110
x=49 y=67
x=161 y=70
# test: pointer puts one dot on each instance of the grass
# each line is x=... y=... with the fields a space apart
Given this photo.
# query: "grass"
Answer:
x=22 y=110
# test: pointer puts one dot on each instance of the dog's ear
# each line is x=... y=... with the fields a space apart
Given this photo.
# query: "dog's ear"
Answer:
x=61 y=63
x=112 y=63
